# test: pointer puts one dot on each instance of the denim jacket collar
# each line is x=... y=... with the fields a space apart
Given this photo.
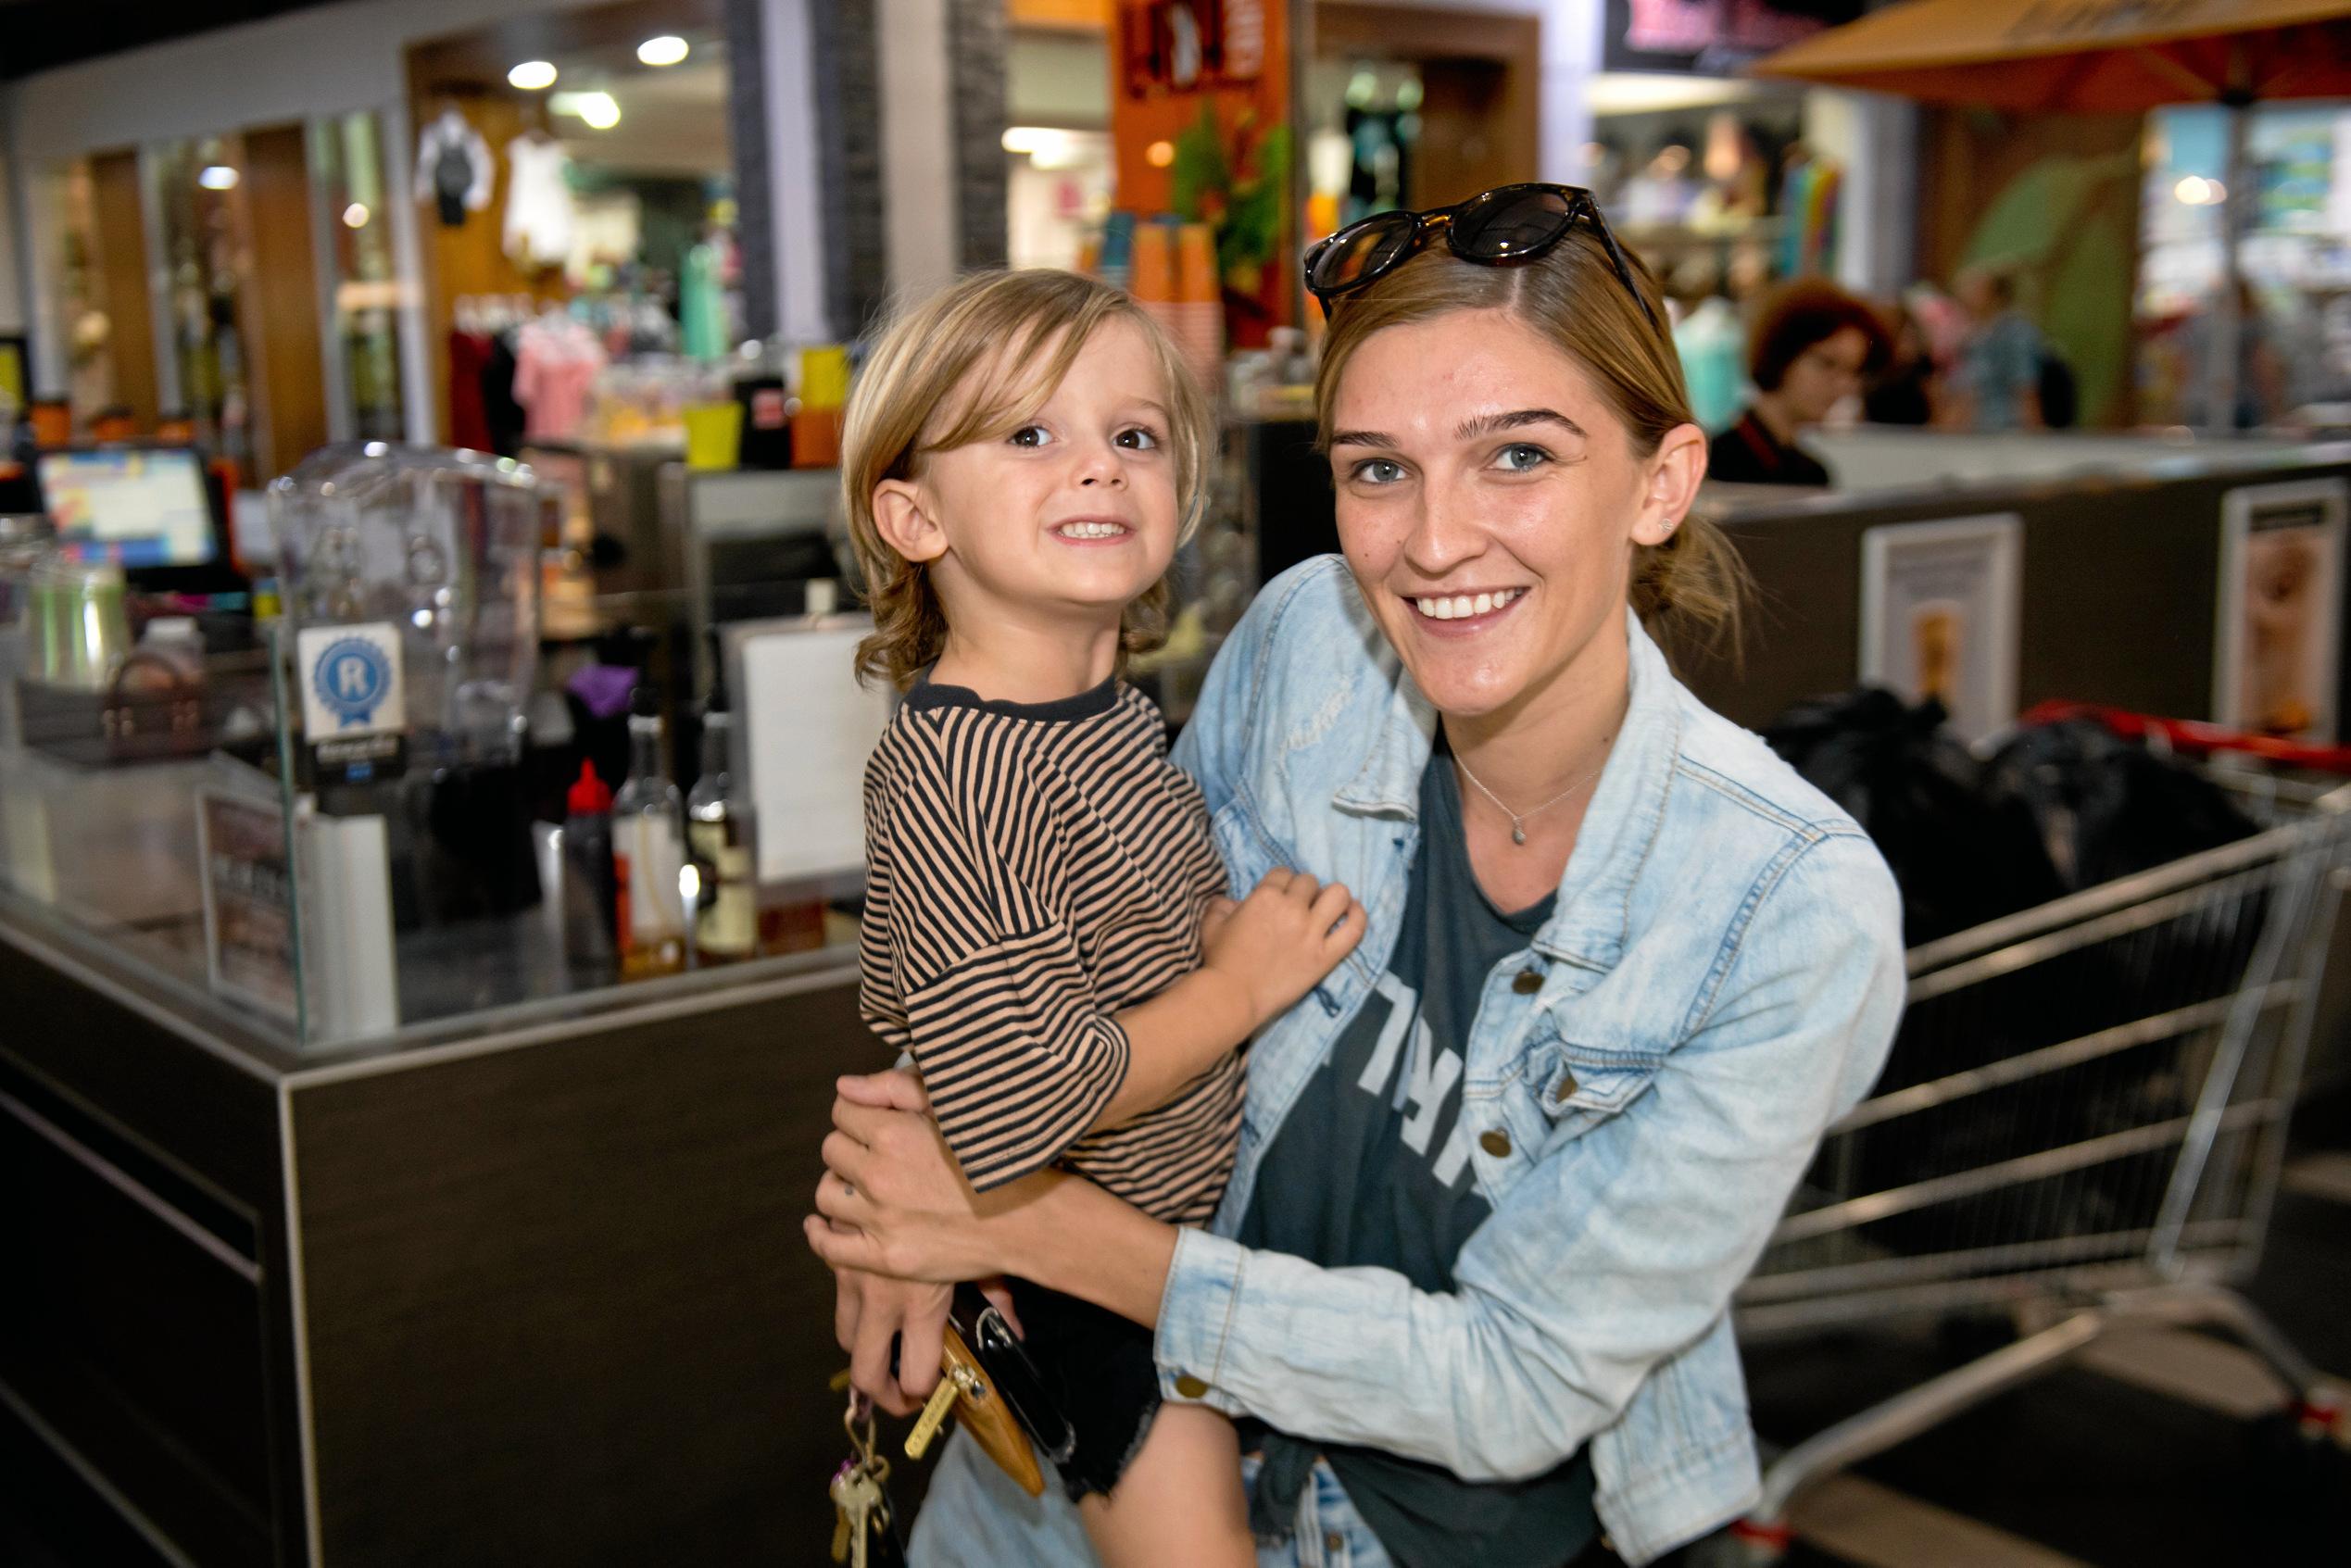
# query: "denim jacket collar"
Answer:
x=1588 y=925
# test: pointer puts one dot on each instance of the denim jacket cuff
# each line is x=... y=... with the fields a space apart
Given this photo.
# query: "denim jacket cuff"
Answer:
x=1196 y=1318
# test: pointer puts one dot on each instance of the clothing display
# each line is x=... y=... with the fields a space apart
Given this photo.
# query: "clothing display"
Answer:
x=454 y=169
x=539 y=215
x=1371 y=1168
x=556 y=361
x=469 y=357
x=701 y=306
x=1711 y=343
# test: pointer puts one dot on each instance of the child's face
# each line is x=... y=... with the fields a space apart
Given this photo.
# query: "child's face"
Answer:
x=1072 y=516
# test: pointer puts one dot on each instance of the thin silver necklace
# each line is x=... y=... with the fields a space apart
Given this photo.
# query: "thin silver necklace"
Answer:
x=1518 y=819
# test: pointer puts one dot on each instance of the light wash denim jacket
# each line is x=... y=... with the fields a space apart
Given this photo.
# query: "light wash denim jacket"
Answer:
x=1719 y=980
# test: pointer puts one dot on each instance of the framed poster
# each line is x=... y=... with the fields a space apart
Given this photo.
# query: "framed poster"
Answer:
x=1939 y=616
x=2278 y=634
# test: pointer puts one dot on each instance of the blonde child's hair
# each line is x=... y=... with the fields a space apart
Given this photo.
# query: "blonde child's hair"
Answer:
x=1013 y=337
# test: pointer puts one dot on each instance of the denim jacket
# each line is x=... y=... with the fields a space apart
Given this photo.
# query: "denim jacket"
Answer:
x=1719 y=980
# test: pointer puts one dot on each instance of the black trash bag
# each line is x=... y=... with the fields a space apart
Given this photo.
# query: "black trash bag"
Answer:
x=1959 y=858
x=2104 y=806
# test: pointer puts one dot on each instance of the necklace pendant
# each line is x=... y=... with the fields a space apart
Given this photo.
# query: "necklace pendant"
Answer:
x=1517 y=833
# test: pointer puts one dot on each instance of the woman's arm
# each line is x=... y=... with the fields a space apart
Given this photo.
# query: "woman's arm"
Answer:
x=1619 y=1248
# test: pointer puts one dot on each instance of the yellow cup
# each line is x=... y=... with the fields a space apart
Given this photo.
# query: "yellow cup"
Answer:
x=713 y=434
x=824 y=377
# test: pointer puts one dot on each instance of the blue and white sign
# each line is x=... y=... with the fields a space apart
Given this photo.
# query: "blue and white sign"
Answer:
x=351 y=684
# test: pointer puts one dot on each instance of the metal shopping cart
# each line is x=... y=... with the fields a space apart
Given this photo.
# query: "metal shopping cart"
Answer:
x=2081 y=1125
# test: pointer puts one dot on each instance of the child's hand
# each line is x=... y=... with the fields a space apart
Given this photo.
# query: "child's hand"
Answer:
x=1277 y=943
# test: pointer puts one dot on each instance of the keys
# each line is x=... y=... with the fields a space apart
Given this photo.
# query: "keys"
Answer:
x=861 y=1510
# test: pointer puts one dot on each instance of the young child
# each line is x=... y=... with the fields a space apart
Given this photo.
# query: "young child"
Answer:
x=1044 y=927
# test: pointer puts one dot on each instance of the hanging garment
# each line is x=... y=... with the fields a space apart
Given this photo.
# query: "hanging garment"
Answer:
x=469 y=424
x=702 y=305
x=554 y=364
x=454 y=169
x=539 y=202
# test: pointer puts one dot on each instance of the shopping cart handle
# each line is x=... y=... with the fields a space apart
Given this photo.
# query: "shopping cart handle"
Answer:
x=2193 y=738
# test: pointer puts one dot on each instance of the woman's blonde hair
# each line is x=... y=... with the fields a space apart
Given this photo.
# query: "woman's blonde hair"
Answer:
x=1690 y=591
x=1012 y=336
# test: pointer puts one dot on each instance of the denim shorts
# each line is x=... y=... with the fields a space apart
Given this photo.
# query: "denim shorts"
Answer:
x=974 y=1517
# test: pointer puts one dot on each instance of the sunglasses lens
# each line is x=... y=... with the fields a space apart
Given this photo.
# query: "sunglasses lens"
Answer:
x=1508 y=223
x=1357 y=253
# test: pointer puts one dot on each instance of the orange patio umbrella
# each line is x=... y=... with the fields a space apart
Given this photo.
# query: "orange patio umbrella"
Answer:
x=2099 y=56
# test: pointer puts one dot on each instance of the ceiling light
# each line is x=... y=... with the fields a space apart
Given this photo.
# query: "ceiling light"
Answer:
x=532 y=75
x=601 y=110
x=218 y=177
x=1159 y=155
x=355 y=216
x=666 y=50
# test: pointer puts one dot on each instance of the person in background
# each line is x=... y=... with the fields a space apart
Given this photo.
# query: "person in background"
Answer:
x=1906 y=391
x=1813 y=345
x=1997 y=382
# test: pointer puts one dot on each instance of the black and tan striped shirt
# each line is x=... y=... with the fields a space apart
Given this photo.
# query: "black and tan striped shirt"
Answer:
x=1033 y=869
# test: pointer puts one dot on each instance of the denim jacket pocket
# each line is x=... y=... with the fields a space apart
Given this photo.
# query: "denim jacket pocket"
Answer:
x=1575 y=1088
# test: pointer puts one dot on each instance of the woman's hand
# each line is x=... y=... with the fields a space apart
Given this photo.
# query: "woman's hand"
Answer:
x=897 y=1201
x=876 y=1318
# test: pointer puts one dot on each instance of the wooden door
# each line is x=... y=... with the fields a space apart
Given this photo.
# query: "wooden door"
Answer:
x=122 y=272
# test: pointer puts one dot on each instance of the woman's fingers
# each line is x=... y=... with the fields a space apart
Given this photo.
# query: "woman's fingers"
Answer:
x=1330 y=905
x=872 y=1126
x=845 y=1156
x=840 y=1248
x=848 y=1302
x=1302 y=888
x=920 y=1342
x=842 y=1203
x=1348 y=932
x=899 y=1089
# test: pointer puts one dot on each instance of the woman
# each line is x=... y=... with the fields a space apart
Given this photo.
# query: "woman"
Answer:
x=1813 y=345
x=1468 y=1289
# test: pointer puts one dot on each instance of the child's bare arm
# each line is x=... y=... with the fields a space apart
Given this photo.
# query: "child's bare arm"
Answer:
x=1260 y=956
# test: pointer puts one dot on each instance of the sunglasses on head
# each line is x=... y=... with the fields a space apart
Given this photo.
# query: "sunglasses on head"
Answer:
x=1499 y=228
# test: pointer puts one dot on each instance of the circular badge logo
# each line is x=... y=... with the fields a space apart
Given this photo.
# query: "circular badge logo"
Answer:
x=352 y=678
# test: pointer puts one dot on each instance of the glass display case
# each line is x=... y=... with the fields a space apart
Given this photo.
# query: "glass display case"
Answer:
x=345 y=827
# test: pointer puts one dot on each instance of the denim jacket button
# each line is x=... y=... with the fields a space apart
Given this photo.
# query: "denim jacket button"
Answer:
x=1190 y=1386
x=1527 y=982
x=1566 y=1088
x=1334 y=1543
x=1495 y=1142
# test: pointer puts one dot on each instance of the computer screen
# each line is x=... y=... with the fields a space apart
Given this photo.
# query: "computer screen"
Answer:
x=143 y=507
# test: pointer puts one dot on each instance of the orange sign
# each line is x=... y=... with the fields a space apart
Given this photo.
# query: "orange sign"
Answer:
x=1200 y=114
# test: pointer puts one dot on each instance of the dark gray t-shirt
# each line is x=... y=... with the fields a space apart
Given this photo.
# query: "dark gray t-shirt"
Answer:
x=1371 y=1166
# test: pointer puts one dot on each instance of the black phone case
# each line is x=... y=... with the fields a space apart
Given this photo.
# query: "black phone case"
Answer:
x=1016 y=1377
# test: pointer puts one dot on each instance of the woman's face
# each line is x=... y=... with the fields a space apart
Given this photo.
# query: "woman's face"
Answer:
x=1489 y=502
x=1828 y=372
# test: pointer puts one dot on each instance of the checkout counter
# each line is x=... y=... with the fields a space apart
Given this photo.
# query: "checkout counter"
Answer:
x=431 y=1253
x=516 y=1276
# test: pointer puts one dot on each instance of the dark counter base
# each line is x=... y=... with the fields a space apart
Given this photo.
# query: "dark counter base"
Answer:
x=554 y=1304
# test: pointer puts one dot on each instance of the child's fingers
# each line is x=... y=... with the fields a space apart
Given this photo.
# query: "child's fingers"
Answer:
x=1348 y=932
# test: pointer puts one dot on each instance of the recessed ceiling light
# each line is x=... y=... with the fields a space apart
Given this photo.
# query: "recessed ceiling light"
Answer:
x=218 y=177
x=532 y=75
x=666 y=50
x=355 y=216
x=601 y=110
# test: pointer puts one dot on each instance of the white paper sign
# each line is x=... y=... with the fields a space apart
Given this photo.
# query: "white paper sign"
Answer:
x=2276 y=644
x=1939 y=616
x=352 y=685
x=808 y=728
